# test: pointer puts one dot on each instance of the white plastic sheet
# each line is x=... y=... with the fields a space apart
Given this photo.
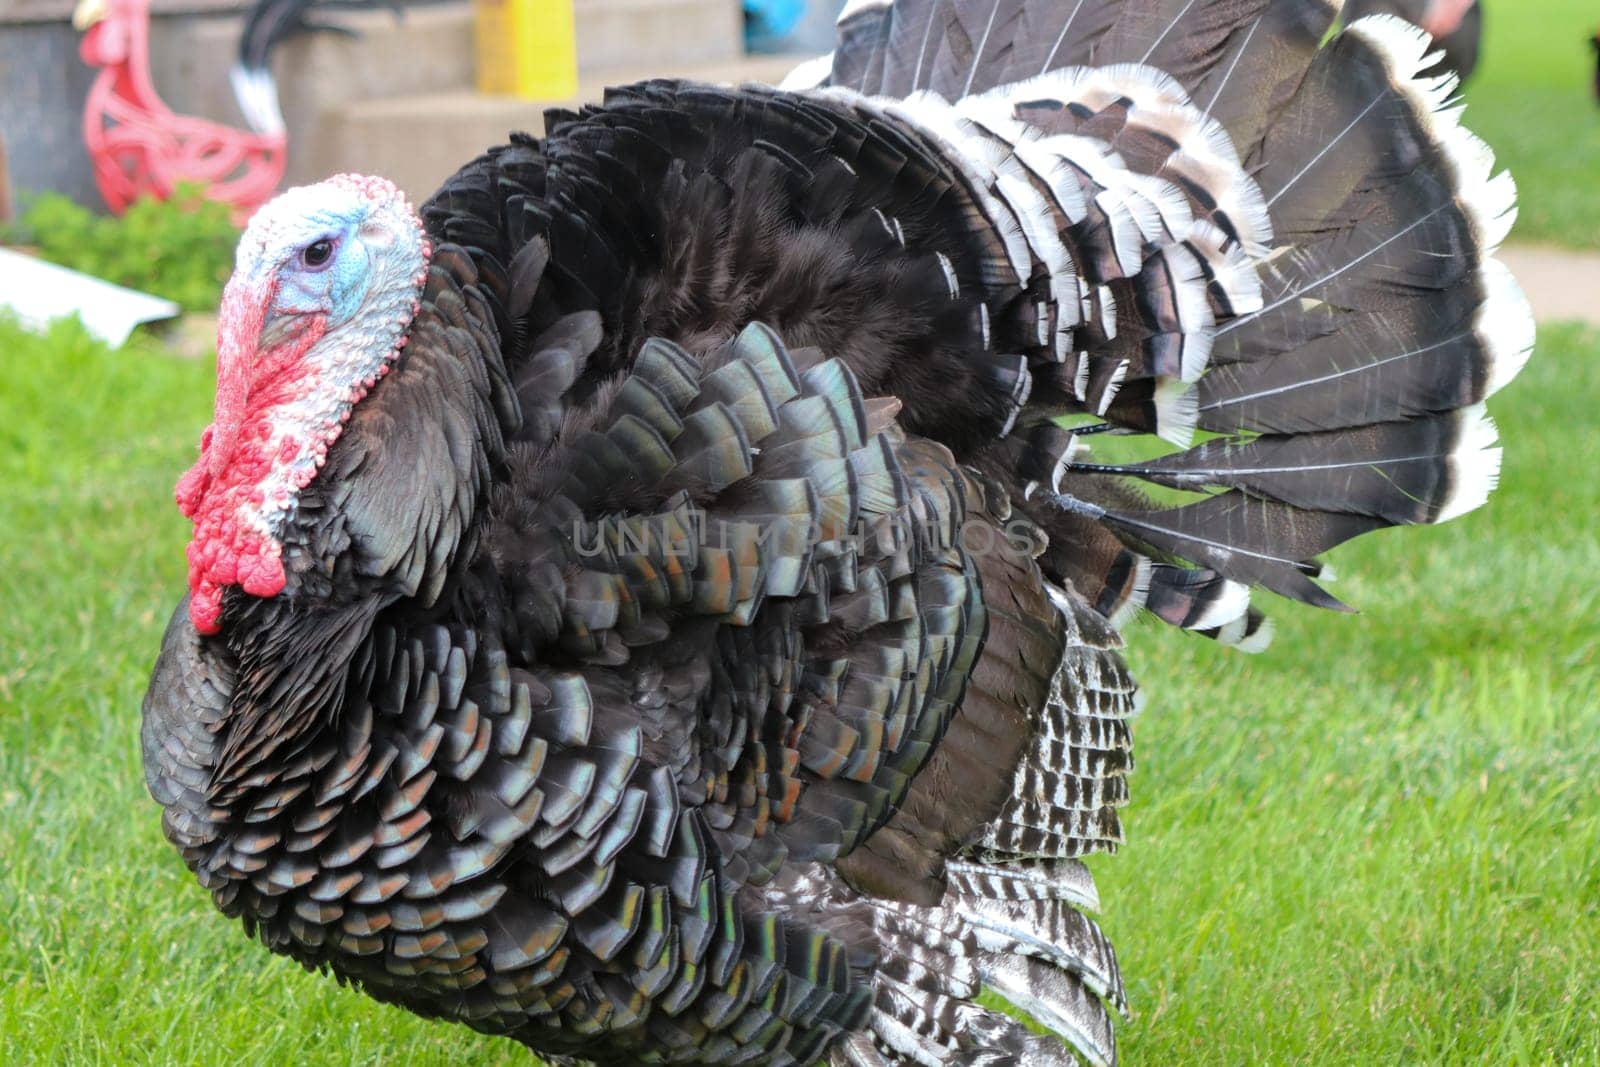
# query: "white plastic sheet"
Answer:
x=41 y=292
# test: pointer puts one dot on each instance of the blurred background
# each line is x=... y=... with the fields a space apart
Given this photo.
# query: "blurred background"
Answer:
x=346 y=90
x=1377 y=842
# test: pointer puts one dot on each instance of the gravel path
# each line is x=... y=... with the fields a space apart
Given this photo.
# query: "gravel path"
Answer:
x=1562 y=285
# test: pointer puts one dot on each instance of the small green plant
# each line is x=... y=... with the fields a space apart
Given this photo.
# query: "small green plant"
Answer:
x=180 y=248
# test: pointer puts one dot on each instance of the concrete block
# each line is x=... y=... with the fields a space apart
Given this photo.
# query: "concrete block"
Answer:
x=656 y=33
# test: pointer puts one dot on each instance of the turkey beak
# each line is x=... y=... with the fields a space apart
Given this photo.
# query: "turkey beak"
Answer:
x=89 y=12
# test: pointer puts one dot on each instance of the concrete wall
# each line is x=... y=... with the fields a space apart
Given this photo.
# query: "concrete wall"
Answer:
x=421 y=62
x=42 y=89
x=43 y=82
x=427 y=50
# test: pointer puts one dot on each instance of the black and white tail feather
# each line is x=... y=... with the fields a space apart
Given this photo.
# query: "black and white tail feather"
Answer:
x=1228 y=226
x=268 y=24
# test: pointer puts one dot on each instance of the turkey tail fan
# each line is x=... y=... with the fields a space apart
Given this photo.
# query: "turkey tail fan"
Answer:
x=1229 y=225
x=1426 y=470
x=1295 y=238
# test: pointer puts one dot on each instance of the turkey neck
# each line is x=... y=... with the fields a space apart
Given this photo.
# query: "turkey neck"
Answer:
x=291 y=676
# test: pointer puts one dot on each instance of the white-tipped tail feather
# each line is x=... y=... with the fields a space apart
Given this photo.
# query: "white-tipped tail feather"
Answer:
x=1504 y=323
x=1474 y=465
x=1239 y=636
x=257 y=96
x=1230 y=605
x=1177 y=410
x=1489 y=199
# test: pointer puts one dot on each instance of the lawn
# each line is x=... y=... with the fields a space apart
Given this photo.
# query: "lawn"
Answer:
x=1533 y=100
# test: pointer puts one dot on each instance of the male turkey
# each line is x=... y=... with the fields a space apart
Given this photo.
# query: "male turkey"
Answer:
x=649 y=604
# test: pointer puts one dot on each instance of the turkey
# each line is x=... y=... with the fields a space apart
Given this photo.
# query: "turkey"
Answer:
x=660 y=600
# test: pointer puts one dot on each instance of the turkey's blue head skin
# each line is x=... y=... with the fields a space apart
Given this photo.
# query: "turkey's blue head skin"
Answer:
x=325 y=284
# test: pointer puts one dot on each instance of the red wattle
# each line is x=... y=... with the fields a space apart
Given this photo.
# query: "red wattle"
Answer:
x=205 y=607
x=224 y=491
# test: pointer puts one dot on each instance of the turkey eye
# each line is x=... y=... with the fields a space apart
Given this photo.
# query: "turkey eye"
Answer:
x=317 y=253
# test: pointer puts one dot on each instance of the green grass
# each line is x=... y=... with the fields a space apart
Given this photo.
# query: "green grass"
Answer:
x=1532 y=100
x=1379 y=842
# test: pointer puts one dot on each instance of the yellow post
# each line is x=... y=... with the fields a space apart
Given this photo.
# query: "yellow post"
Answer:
x=526 y=48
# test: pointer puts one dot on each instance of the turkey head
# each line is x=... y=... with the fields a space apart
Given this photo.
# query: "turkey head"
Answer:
x=326 y=283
